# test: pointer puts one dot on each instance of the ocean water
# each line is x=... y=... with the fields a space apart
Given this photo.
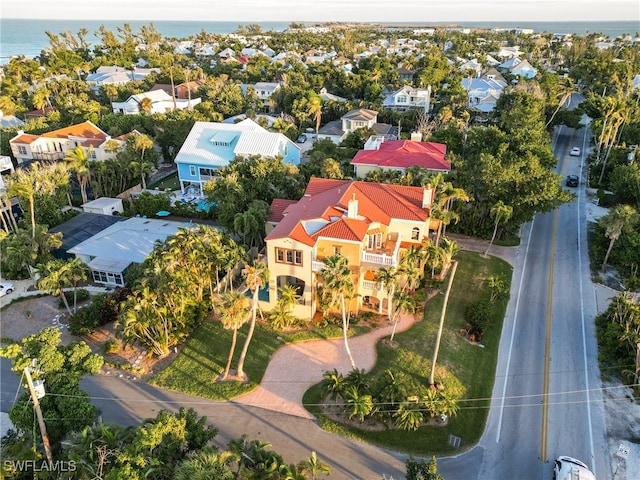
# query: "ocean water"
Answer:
x=27 y=37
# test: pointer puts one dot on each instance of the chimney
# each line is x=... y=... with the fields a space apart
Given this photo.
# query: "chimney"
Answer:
x=427 y=197
x=352 y=211
x=416 y=137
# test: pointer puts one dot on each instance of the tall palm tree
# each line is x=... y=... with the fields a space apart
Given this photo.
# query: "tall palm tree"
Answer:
x=441 y=326
x=338 y=285
x=387 y=278
x=315 y=110
x=256 y=276
x=618 y=220
x=404 y=303
x=500 y=212
x=448 y=251
x=141 y=168
x=78 y=272
x=54 y=278
x=78 y=162
x=233 y=310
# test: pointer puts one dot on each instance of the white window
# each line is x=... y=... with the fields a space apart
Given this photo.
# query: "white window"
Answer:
x=22 y=149
x=192 y=170
x=415 y=233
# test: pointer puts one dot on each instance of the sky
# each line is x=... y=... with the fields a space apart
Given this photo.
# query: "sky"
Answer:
x=246 y=11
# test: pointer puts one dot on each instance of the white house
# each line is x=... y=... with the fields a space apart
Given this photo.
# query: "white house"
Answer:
x=54 y=145
x=524 y=69
x=482 y=94
x=338 y=130
x=161 y=102
x=408 y=97
x=111 y=252
x=211 y=145
x=114 y=75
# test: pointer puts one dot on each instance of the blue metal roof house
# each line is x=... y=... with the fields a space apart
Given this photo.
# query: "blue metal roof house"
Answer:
x=211 y=145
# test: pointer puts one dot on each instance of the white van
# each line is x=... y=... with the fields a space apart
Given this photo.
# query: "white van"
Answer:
x=567 y=468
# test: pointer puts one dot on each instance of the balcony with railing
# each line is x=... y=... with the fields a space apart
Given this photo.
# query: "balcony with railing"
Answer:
x=386 y=255
x=317 y=265
x=48 y=156
x=370 y=285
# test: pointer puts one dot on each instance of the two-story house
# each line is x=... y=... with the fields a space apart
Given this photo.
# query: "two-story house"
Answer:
x=212 y=145
x=338 y=130
x=159 y=102
x=371 y=224
x=408 y=97
x=54 y=145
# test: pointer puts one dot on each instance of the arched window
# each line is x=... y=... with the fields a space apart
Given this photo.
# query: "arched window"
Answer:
x=415 y=233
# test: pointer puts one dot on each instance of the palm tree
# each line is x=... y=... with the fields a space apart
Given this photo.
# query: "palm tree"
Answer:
x=404 y=304
x=54 y=278
x=233 y=311
x=448 y=251
x=499 y=212
x=315 y=110
x=256 y=276
x=142 y=169
x=618 y=220
x=78 y=162
x=314 y=466
x=338 y=284
x=26 y=183
x=333 y=383
x=361 y=403
x=205 y=464
x=144 y=319
x=387 y=278
x=78 y=271
x=441 y=325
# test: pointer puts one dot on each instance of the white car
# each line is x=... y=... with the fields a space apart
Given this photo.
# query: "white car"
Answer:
x=568 y=468
x=6 y=288
x=575 y=152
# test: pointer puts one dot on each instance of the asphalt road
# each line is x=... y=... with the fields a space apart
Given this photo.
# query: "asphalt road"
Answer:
x=546 y=398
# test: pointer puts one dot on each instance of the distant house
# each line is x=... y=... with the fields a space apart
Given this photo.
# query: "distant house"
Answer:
x=114 y=75
x=54 y=145
x=38 y=113
x=8 y=121
x=264 y=91
x=161 y=102
x=329 y=97
x=482 y=94
x=524 y=70
x=211 y=145
x=188 y=89
x=338 y=130
x=399 y=155
x=407 y=98
x=6 y=168
x=405 y=74
x=111 y=252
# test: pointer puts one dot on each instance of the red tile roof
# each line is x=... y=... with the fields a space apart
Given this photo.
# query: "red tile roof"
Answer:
x=327 y=201
x=405 y=153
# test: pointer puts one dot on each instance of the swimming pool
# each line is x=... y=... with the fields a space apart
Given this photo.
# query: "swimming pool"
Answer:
x=204 y=205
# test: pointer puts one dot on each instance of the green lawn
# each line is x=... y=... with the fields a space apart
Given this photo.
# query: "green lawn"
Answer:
x=473 y=367
x=170 y=182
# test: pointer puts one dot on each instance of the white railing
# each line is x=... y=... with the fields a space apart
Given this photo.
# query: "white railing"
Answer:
x=317 y=266
x=380 y=258
x=370 y=285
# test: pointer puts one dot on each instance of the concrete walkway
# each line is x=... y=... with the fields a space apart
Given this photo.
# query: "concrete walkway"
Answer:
x=296 y=367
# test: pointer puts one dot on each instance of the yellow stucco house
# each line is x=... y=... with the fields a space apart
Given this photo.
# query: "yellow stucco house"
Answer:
x=371 y=224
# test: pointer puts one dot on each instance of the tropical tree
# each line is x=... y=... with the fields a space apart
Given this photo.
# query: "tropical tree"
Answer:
x=333 y=383
x=409 y=416
x=233 y=311
x=256 y=276
x=361 y=404
x=387 y=278
x=499 y=212
x=142 y=169
x=621 y=218
x=313 y=466
x=78 y=162
x=26 y=183
x=441 y=325
x=338 y=285
x=78 y=272
x=404 y=303
x=55 y=276
x=205 y=464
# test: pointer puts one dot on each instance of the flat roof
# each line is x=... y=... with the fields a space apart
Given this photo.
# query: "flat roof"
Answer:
x=102 y=202
x=109 y=265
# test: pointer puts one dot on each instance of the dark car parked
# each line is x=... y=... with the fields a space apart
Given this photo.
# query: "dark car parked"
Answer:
x=572 y=181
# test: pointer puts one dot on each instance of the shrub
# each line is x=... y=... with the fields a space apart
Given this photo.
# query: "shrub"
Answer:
x=110 y=347
x=479 y=313
x=103 y=309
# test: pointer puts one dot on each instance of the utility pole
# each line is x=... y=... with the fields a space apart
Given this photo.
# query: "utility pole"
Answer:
x=36 y=405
